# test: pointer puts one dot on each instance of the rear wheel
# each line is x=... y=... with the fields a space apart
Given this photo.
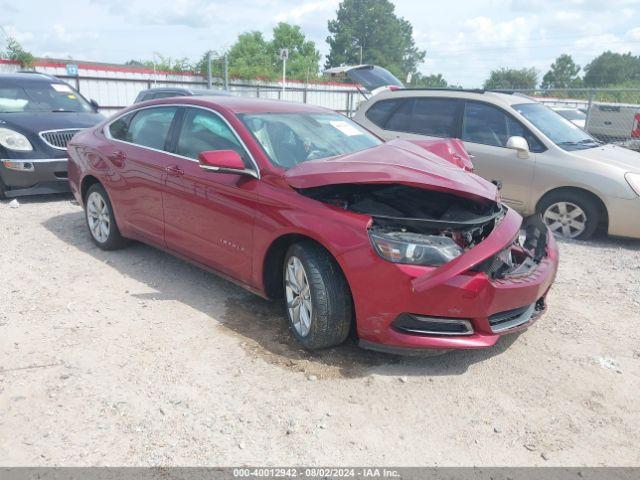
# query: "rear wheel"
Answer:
x=100 y=219
x=317 y=297
x=570 y=214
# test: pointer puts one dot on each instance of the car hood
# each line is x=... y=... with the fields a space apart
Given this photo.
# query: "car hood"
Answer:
x=39 y=121
x=397 y=162
x=612 y=155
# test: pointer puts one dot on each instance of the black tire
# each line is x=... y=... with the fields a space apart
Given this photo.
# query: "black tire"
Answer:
x=332 y=307
x=114 y=240
x=588 y=205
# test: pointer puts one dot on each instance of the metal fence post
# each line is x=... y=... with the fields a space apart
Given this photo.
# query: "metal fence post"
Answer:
x=257 y=91
x=348 y=109
x=304 y=94
x=226 y=72
x=589 y=104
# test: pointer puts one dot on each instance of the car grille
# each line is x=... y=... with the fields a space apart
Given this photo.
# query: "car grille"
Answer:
x=58 y=138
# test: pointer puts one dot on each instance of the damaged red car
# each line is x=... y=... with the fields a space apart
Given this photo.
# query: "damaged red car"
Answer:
x=398 y=244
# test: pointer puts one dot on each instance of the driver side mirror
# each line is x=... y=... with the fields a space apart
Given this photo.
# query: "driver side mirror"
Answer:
x=94 y=104
x=224 y=161
x=520 y=145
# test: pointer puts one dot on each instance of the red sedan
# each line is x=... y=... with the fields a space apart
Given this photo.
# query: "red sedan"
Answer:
x=396 y=242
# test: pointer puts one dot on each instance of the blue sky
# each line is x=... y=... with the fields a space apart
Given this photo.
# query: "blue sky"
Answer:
x=464 y=40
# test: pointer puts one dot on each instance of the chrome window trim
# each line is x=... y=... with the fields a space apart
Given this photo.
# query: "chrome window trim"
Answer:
x=105 y=131
x=40 y=134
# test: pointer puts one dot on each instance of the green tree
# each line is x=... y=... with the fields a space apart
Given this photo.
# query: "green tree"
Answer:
x=303 y=59
x=512 y=79
x=16 y=53
x=164 y=64
x=563 y=73
x=373 y=28
x=251 y=57
x=610 y=69
x=435 y=80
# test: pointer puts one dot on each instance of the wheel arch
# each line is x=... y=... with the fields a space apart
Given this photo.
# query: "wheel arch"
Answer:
x=86 y=183
x=274 y=259
x=604 y=220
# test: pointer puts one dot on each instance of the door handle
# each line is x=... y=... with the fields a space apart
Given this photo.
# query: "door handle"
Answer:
x=174 y=171
x=118 y=158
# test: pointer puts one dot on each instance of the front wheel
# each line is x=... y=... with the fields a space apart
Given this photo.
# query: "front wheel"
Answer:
x=100 y=219
x=570 y=214
x=317 y=297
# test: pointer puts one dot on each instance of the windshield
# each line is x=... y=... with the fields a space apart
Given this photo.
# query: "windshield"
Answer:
x=292 y=138
x=41 y=97
x=557 y=129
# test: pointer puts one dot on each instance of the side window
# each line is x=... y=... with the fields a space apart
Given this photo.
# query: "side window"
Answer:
x=516 y=129
x=150 y=127
x=203 y=131
x=484 y=124
x=401 y=121
x=489 y=125
x=119 y=128
x=380 y=111
x=436 y=117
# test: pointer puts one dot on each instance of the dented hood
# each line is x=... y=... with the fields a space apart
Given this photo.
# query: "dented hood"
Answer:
x=396 y=162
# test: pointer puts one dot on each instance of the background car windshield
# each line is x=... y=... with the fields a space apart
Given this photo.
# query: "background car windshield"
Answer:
x=41 y=97
x=572 y=114
x=292 y=138
x=558 y=129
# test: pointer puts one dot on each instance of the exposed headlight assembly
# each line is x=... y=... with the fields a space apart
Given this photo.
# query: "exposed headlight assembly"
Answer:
x=415 y=248
x=633 y=179
x=14 y=141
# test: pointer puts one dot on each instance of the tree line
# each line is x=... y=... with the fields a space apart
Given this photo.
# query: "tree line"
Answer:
x=370 y=32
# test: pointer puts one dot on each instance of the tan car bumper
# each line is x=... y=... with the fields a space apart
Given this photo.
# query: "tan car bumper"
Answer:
x=624 y=217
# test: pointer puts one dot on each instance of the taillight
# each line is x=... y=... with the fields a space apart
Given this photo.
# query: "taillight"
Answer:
x=635 y=131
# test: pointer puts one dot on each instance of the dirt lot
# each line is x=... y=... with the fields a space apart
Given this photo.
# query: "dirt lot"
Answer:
x=137 y=358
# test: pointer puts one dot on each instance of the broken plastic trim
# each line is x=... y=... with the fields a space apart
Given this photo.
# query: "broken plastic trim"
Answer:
x=518 y=258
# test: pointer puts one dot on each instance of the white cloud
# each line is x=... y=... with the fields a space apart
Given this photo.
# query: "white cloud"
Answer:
x=464 y=40
x=303 y=11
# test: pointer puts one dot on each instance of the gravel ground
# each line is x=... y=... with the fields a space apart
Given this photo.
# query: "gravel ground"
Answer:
x=137 y=358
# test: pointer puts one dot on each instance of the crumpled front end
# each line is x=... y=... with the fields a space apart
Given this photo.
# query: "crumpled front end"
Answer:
x=443 y=271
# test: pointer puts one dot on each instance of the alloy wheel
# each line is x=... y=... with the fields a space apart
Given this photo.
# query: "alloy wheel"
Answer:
x=98 y=217
x=298 y=295
x=565 y=219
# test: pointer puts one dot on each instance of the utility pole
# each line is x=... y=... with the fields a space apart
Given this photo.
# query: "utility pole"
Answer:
x=209 y=69
x=226 y=72
x=284 y=54
x=360 y=54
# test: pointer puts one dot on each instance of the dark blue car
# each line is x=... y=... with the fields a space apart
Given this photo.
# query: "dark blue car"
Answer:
x=38 y=116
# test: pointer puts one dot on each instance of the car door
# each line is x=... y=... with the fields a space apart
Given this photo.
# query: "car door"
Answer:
x=485 y=131
x=208 y=215
x=138 y=161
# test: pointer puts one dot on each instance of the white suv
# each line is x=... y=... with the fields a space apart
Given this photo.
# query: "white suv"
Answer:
x=544 y=163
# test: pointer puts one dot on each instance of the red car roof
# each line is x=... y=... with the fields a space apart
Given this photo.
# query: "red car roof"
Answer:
x=247 y=105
